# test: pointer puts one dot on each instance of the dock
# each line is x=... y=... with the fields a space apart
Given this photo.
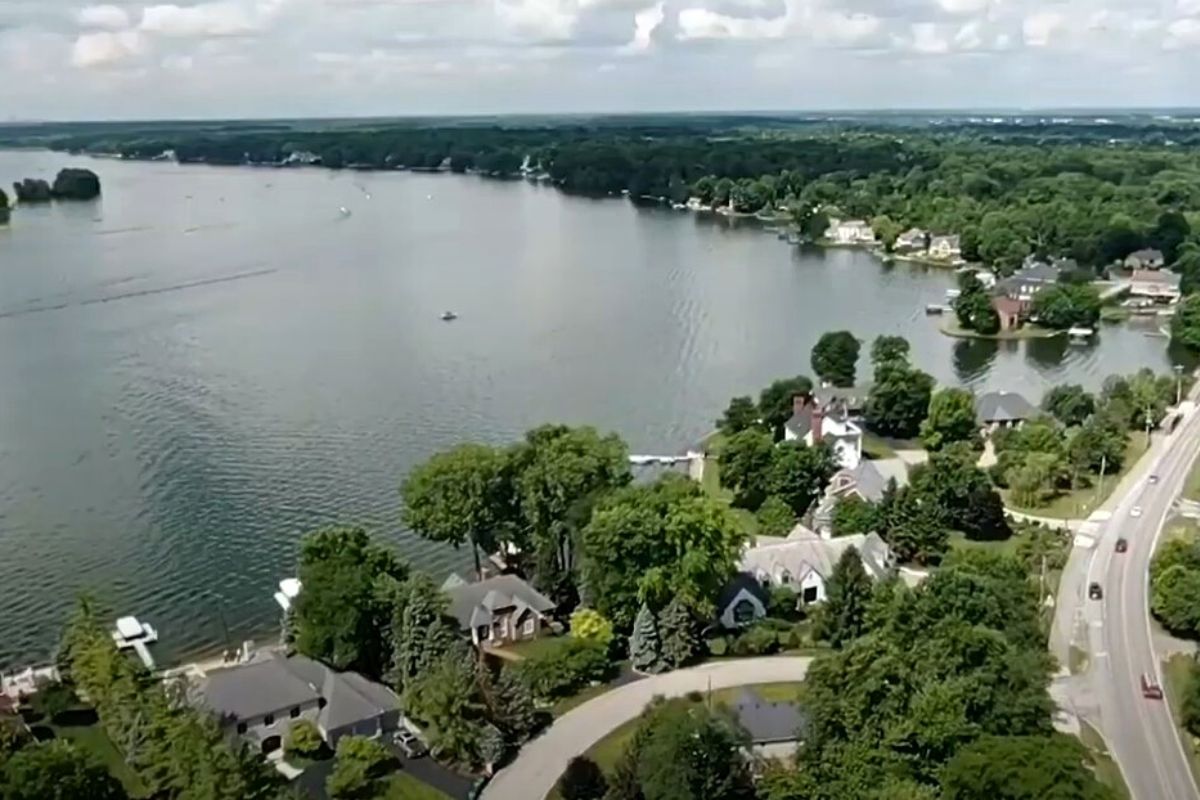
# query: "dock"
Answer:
x=131 y=634
x=934 y=308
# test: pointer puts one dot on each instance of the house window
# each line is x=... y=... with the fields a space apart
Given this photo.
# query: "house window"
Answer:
x=810 y=594
x=295 y=712
x=483 y=633
x=241 y=727
x=321 y=702
x=503 y=627
x=785 y=578
x=269 y=720
x=528 y=627
x=744 y=612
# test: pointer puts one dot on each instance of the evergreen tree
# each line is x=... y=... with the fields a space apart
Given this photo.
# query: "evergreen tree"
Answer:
x=421 y=631
x=842 y=618
x=645 y=648
x=512 y=706
x=582 y=780
x=491 y=747
x=678 y=630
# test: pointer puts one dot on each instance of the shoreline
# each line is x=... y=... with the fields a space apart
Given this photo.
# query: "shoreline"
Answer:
x=955 y=331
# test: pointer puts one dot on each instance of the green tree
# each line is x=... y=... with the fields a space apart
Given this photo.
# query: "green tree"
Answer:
x=886 y=230
x=1069 y=404
x=962 y=493
x=916 y=528
x=13 y=736
x=460 y=496
x=511 y=704
x=852 y=514
x=679 y=639
x=799 y=474
x=303 y=739
x=1185 y=325
x=835 y=356
x=1067 y=305
x=1175 y=600
x=951 y=419
x=684 y=751
x=57 y=771
x=775 y=517
x=1191 y=699
x=776 y=403
x=56 y=699
x=361 y=763
x=973 y=306
x=446 y=698
x=652 y=543
x=842 y=618
x=343 y=613
x=899 y=400
x=1022 y=768
x=745 y=466
x=887 y=350
x=422 y=632
x=590 y=625
x=740 y=415
x=645 y=646
x=582 y=780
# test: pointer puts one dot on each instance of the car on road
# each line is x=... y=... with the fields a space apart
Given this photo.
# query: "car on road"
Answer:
x=1122 y=545
x=1150 y=689
x=409 y=744
x=1136 y=511
x=1153 y=479
x=1095 y=592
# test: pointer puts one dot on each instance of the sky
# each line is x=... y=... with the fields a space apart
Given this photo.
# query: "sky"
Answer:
x=61 y=59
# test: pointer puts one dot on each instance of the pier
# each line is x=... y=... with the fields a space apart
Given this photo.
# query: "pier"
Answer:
x=130 y=634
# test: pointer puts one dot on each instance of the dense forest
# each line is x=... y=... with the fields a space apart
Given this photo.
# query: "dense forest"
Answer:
x=1092 y=190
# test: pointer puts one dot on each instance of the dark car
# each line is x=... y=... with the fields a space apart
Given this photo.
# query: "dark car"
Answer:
x=1122 y=545
x=1150 y=689
x=409 y=744
x=1095 y=592
x=1153 y=479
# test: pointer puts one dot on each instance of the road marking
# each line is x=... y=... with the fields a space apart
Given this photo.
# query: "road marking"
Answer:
x=1101 y=654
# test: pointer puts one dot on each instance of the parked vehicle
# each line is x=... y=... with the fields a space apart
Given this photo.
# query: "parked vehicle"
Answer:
x=1153 y=479
x=1095 y=592
x=1122 y=545
x=409 y=743
x=1136 y=511
x=1150 y=689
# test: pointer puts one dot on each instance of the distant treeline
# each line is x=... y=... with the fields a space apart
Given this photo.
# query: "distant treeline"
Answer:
x=1090 y=190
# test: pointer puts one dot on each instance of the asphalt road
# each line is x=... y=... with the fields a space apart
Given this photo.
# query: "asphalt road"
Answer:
x=540 y=763
x=1140 y=732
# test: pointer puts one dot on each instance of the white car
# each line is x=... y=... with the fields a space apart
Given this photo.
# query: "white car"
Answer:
x=1136 y=511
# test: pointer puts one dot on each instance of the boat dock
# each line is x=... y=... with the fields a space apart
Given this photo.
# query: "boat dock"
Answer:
x=131 y=634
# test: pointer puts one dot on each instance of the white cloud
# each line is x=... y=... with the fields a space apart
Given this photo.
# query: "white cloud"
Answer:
x=969 y=36
x=105 y=48
x=928 y=39
x=1188 y=8
x=701 y=23
x=1182 y=33
x=109 y=17
x=178 y=63
x=205 y=19
x=843 y=30
x=964 y=6
x=645 y=23
x=538 y=19
x=1040 y=28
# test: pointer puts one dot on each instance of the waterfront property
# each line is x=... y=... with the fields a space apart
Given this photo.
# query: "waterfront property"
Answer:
x=1158 y=285
x=499 y=610
x=802 y=563
x=850 y=231
x=1011 y=311
x=1003 y=410
x=946 y=248
x=913 y=239
x=813 y=422
x=867 y=481
x=1028 y=281
x=261 y=699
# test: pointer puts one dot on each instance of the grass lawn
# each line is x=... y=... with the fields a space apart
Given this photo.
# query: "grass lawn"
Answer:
x=575 y=700
x=403 y=786
x=1191 y=489
x=535 y=647
x=1080 y=503
x=876 y=448
x=1175 y=676
x=1008 y=547
x=711 y=482
x=1106 y=768
x=93 y=739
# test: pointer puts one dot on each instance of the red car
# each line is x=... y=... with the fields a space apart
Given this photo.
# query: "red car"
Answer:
x=1150 y=689
x=1122 y=545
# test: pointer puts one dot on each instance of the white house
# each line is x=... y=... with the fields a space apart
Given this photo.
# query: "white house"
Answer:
x=1145 y=259
x=1155 y=284
x=850 y=231
x=803 y=563
x=911 y=240
x=946 y=247
x=811 y=423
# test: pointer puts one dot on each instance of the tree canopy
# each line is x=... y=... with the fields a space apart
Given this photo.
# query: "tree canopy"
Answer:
x=835 y=358
x=951 y=419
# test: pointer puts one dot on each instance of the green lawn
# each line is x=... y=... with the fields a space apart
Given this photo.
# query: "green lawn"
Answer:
x=1106 y=768
x=575 y=700
x=94 y=740
x=1008 y=547
x=403 y=786
x=1078 y=504
x=1191 y=489
x=535 y=647
x=1175 y=676
x=876 y=448
x=711 y=482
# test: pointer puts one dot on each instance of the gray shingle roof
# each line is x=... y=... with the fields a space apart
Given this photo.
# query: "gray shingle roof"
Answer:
x=475 y=603
x=1003 y=407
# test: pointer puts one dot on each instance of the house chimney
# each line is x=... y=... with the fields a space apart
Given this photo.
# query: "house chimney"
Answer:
x=799 y=403
x=818 y=416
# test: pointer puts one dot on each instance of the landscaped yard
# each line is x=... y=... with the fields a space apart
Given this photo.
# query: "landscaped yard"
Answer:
x=711 y=482
x=403 y=786
x=534 y=647
x=1175 y=676
x=1078 y=504
x=1008 y=547
x=94 y=740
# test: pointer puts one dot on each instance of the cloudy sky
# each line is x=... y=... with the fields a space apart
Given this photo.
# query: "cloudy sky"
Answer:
x=253 y=58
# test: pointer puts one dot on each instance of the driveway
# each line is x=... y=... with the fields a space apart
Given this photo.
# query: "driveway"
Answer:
x=541 y=762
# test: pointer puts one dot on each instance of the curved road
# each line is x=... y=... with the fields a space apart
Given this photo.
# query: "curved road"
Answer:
x=1140 y=732
x=542 y=761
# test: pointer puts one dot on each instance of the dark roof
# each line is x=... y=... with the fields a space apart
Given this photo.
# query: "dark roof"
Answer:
x=769 y=722
x=475 y=604
x=1003 y=407
x=800 y=423
x=740 y=581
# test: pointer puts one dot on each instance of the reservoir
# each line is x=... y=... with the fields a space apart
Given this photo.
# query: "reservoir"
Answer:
x=208 y=362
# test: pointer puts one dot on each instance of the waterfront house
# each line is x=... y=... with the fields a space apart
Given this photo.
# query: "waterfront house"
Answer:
x=1156 y=284
x=1028 y=281
x=500 y=610
x=1003 y=410
x=868 y=482
x=912 y=240
x=1012 y=312
x=850 y=231
x=1148 y=258
x=261 y=699
x=802 y=563
x=947 y=248
x=851 y=399
x=812 y=422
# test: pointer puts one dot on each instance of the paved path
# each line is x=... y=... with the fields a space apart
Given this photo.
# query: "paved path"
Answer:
x=542 y=761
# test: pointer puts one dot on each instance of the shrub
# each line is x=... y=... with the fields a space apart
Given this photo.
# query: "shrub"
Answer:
x=1191 y=699
x=583 y=780
x=758 y=640
x=589 y=624
x=303 y=739
x=361 y=762
x=718 y=645
x=784 y=604
x=564 y=669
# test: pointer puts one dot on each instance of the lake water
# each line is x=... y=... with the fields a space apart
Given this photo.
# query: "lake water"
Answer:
x=208 y=362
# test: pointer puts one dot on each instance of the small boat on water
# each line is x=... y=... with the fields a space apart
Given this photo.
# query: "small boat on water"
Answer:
x=448 y=316
x=345 y=212
x=1078 y=334
x=934 y=308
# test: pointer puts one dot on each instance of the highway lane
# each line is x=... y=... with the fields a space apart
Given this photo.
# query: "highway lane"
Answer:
x=1140 y=732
